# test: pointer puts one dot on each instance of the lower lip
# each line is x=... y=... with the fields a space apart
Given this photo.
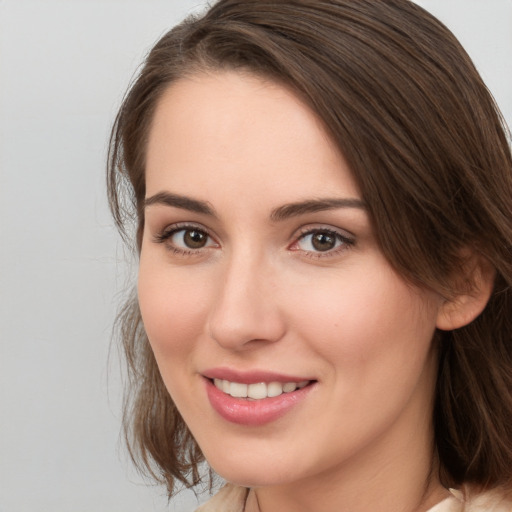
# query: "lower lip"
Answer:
x=254 y=412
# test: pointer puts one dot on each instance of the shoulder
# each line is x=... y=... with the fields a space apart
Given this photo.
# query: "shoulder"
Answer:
x=488 y=501
x=230 y=498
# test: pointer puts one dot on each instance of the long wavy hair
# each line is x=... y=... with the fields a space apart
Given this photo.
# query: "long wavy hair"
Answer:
x=430 y=153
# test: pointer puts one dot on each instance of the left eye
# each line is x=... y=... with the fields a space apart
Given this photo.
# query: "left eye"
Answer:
x=190 y=238
x=320 y=241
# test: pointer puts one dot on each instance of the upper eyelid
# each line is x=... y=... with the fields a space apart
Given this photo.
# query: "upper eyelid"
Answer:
x=312 y=228
x=169 y=230
x=178 y=226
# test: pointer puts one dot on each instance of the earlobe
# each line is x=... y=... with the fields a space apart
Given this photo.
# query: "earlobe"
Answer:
x=462 y=309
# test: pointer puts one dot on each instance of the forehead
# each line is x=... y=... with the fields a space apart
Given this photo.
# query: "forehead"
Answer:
x=243 y=132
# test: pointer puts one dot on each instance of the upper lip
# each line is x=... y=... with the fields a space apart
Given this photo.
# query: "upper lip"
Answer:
x=251 y=376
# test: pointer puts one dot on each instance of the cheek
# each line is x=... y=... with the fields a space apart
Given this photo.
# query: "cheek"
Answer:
x=172 y=311
x=366 y=317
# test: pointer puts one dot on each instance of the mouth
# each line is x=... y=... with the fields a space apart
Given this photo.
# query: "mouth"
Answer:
x=259 y=390
x=261 y=398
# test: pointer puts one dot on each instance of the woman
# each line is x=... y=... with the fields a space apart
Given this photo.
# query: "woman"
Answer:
x=322 y=191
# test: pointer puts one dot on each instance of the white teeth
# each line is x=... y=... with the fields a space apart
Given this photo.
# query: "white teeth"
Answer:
x=259 y=390
x=274 y=389
x=289 y=387
x=238 y=390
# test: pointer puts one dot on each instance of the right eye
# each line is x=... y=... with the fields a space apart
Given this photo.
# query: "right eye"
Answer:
x=186 y=239
x=190 y=239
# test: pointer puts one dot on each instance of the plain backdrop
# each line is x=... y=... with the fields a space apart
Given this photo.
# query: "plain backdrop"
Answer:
x=64 y=67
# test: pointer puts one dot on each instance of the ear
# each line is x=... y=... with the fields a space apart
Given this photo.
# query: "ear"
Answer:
x=478 y=277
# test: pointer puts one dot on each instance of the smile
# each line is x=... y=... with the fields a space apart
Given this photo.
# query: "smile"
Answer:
x=260 y=401
x=257 y=391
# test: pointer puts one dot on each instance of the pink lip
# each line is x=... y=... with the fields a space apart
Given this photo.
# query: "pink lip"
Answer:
x=251 y=377
x=254 y=412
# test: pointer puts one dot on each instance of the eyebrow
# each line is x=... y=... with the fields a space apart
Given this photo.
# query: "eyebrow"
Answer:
x=178 y=201
x=314 y=205
x=277 y=215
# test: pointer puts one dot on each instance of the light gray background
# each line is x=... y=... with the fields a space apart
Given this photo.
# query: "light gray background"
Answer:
x=64 y=66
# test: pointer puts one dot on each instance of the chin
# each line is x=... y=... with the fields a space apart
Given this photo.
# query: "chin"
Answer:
x=253 y=473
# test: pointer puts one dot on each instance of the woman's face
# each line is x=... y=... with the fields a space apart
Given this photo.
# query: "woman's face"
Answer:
x=260 y=275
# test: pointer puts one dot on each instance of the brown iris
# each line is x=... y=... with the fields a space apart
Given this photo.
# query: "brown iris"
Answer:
x=323 y=241
x=195 y=239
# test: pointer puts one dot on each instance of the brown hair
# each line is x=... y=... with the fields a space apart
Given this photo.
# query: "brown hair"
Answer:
x=428 y=148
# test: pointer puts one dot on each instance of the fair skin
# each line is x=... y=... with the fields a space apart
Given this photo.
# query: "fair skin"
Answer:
x=236 y=284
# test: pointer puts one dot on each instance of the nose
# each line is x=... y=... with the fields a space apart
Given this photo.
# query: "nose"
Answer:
x=246 y=312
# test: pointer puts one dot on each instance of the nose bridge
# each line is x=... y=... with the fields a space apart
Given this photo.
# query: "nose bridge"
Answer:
x=244 y=309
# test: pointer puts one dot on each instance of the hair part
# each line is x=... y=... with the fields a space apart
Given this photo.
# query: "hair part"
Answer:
x=429 y=150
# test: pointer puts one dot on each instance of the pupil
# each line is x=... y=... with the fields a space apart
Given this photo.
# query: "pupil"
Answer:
x=195 y=239
x=323 y=241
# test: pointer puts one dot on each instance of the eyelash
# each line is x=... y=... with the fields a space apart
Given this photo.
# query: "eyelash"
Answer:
x=343 y=240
